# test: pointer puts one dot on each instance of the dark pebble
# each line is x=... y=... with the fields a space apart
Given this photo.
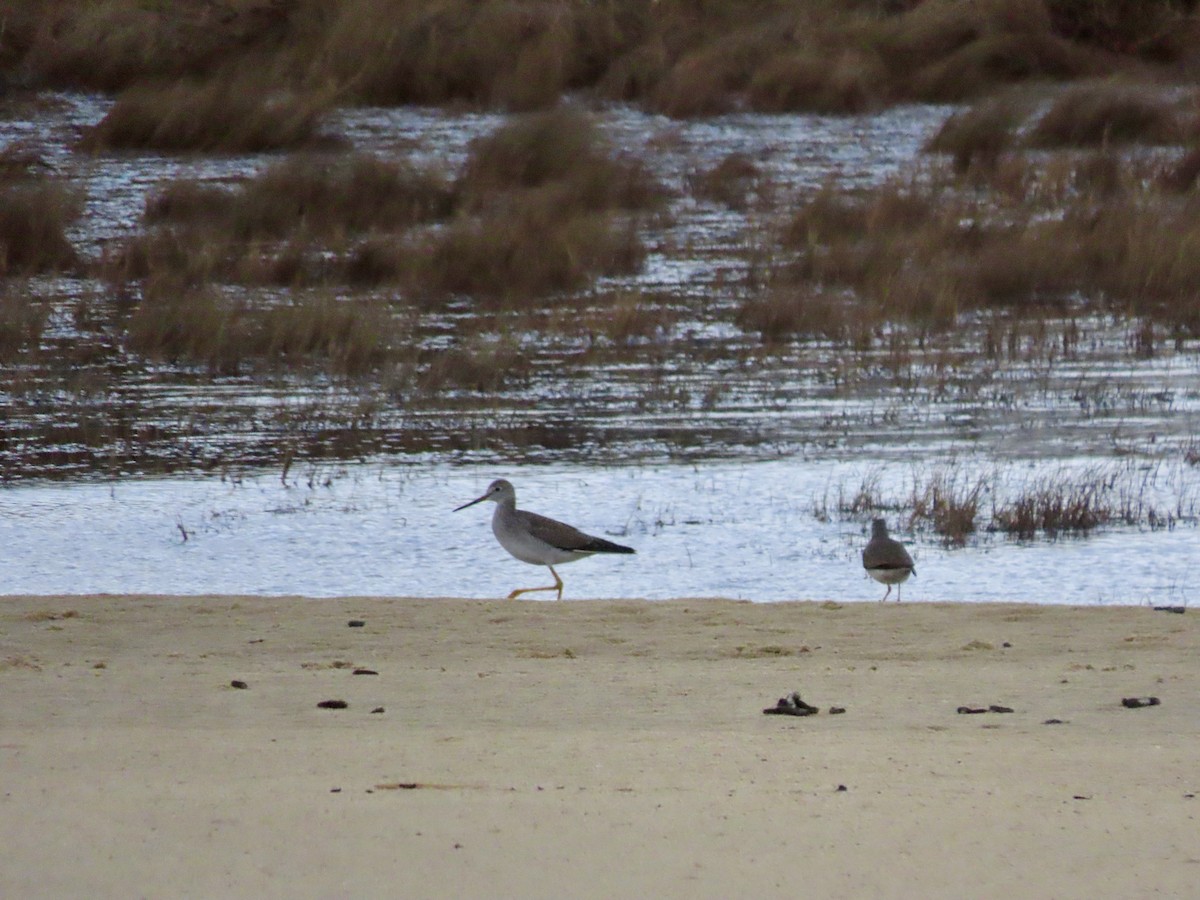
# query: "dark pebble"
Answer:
x=365 y=672
x=240 y=685
x=971 y=710
x=1136 y=702
x=333 y=704
x=1054 y=722
x=377 y=709
x=356 y=623
x=842 y=787
x=836 y=710
x=999 y=709
x=791 y=705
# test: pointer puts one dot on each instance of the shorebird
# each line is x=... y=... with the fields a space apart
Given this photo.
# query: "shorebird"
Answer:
x=536 y=539
x=886 y=560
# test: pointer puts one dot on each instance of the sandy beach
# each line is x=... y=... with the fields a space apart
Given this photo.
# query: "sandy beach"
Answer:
x=594 y=749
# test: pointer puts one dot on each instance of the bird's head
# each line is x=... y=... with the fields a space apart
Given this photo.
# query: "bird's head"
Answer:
x=498 y=491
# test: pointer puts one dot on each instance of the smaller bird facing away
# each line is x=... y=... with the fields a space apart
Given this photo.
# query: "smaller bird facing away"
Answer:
x=886 y=560
x=536 y=539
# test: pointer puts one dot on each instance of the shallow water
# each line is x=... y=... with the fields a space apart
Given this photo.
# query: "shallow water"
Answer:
x=735 y=530
x=709 y=455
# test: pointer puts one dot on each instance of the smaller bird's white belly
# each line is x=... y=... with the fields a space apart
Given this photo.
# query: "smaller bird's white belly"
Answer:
x=889 y=576
x=527 y=548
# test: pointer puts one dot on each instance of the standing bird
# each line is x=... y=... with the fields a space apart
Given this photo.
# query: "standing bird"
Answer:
x=886 y=560
x=536 y=539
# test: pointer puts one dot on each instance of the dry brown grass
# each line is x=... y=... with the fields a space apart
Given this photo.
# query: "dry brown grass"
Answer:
x=279 y=227
x=109 y=45
x=544 y=204
x=212 y=116
x=733 y=182
x=924 y=249
x=957 y=51
x=481 y=365
x=979 y=136
x=1183 y=175
x=524 y=248
x=949 y=500
x=1150 y=29
x=315 y=195
x=206 y=328
x=1107 y=113
x=789 y=312
x=629 y=319
x=1057 y=505
x=500 y=53
x=23 y=316
x=35 y=214
x=811 y=81
x=562 y=150
x=675 y=56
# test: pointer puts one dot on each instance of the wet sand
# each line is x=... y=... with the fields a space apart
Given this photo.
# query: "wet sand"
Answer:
x=594 y=749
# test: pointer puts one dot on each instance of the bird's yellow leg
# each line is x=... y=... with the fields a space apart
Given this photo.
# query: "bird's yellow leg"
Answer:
x=557 y=586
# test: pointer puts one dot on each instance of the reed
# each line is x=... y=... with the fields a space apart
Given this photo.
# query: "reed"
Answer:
x=949 y=500
x=1053 y=506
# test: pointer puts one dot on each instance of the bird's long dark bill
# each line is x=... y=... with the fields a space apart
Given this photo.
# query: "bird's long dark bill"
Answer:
x=472 y=503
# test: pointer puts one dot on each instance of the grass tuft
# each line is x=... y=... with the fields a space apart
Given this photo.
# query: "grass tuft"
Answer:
x=1105 y=113
x=34 y=217
x=207 y=117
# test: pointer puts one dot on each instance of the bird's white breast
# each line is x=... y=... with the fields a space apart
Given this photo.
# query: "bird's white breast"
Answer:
x=889 y=576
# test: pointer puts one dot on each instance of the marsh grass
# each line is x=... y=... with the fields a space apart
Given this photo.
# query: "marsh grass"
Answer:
x=213 y=116
x=794 y=312
x=543 y=205
x=980 y=135
x=732 y=182
x=547 y=205
x=631 y=319
x=927 y=247
x=561 y=148
x=672 y=56
x=279 y=227
x=501 y=261
x=206 y=328
x=314 y=195
x=113 y=44
x=35 y=214
x=1053 y=506
x=481 y=365
x=524 y=249
x=1108 y=113
x=23 y=316
x=949 y=500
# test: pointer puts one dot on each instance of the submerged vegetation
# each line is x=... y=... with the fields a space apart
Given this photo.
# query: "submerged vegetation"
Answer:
x=338 y=296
